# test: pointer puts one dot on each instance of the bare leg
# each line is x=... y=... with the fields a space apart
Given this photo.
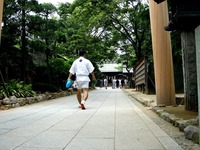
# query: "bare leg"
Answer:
x=85 y=96
x=85 y=93
x=78 y=95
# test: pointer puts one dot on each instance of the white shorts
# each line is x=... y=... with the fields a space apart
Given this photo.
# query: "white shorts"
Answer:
x=82 y=84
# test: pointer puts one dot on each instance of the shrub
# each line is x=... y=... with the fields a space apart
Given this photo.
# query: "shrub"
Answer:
x=59 y=66
x=18 y=88
x=44 y=87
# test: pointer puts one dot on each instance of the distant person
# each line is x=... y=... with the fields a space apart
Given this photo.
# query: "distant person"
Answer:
x=74 y=85
x=117 y=83
x=113 y=83
x=122 y=83
x=82 y=67
x=101 y=83
x=106 y=83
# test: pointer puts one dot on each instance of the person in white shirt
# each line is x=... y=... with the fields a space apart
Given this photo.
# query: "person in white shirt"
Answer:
x=113 y=83
x=106 y=83
x=82 y=67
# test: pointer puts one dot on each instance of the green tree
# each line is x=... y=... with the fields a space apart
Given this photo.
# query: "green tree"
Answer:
x=110 y=26
x=49 y=29
x=26 y=7
x=81 y=32
x=15 y=56
x=100 y=27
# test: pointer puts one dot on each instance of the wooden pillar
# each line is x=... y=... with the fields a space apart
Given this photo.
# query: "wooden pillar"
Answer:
x=162 y=54
x=1 y=14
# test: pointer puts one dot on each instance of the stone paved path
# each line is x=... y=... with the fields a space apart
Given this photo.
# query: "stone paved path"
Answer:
x=110 y=122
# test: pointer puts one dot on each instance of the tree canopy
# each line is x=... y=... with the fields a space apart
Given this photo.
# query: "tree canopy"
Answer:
x=38 y=39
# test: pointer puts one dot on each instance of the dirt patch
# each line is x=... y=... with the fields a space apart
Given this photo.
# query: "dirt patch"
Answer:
x=180 y=112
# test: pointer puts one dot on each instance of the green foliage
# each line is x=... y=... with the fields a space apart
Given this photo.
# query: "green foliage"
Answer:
x=18 y=88
x=98 y=26
x=34 y=37
x=59 y=66
x=44 y=87
x=82 y=21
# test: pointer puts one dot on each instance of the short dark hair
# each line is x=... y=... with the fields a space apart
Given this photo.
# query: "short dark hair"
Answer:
x=82 y=52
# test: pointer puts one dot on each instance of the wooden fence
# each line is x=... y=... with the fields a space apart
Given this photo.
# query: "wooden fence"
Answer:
x=142 y=78
x=141 y=75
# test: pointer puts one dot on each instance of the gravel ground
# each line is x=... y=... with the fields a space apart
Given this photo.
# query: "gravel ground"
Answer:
x=168 y=128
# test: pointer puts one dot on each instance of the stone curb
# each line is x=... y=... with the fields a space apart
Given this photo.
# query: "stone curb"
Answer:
x=13 y=102
x=189 y=127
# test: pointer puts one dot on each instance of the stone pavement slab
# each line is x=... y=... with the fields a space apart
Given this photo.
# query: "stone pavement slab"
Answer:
x=147 y=99
x=110 y=122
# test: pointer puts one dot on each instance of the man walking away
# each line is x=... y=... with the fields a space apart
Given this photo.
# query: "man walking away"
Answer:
x=82 y=67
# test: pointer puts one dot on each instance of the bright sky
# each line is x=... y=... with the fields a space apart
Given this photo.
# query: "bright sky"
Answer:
x=55 y=2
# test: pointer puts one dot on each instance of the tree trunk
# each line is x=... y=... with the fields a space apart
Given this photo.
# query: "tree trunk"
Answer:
x=23 y=44
x=189 y=70
x=47 y=62
x=1 y=16
x=197 y=37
